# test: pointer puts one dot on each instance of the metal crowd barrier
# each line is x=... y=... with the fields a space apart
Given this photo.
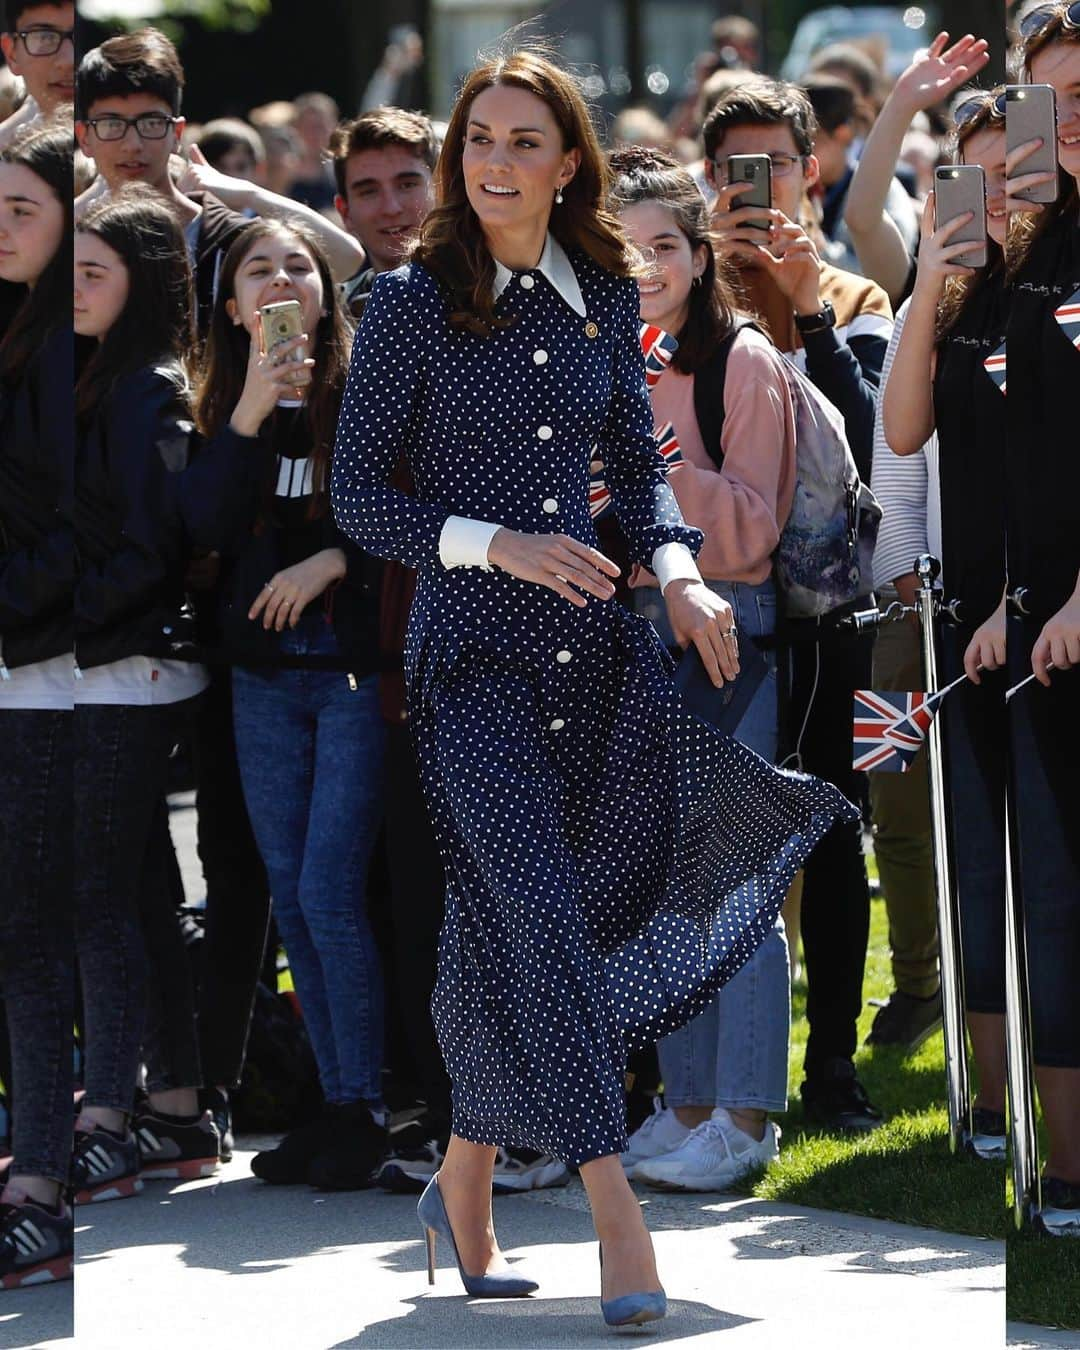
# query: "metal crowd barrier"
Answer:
x=930 y=608
x=1027 y=1198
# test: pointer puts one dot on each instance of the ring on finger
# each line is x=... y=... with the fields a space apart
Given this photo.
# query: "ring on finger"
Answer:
x=269 y=586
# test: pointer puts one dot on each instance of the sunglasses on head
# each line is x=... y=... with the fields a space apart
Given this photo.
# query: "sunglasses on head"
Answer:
x=990 y=106
x=1038 y=20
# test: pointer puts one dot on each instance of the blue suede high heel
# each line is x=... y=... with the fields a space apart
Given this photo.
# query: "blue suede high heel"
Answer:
x=431 y=1211
x=631 y=1309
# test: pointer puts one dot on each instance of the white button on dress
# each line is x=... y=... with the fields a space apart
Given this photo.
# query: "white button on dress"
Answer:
x=528 y=282
x=557 y=725
x=545 y=433
x=540 y=357
x=550 y=506
x=563 y=657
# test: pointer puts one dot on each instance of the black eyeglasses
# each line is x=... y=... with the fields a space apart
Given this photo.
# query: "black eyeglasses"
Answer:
x=1037 y=20
x=985 y=104
x=45 y=41
x=150 y=126
x=782 y=165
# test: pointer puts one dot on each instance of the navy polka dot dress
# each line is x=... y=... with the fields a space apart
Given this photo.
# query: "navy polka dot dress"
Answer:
x=611 y=860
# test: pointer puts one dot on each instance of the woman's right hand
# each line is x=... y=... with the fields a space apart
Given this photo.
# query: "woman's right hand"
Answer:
x=554 y=560
x=270 y=376
x=986 y=650
x=1015 y=183
x=937 y=254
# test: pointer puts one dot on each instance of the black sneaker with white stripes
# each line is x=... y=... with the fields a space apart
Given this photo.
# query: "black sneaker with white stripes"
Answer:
x=104 y=1165
x=37 y=1244
x=176 y=1148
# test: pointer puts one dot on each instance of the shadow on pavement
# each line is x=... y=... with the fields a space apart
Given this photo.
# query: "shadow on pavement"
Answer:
x=31 y=1317
x=443 y=1324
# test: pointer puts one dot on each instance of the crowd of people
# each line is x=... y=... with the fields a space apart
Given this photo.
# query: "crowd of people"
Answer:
x=213 y=539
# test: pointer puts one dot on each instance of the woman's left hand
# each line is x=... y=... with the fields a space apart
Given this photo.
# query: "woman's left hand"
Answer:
x=699 y=616
x=284 y=597
x=1059 y=641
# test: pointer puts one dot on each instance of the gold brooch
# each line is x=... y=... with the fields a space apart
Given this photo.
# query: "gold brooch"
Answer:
x=591 y=330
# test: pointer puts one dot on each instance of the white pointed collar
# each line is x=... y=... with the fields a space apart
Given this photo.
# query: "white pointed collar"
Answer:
x=553 y=264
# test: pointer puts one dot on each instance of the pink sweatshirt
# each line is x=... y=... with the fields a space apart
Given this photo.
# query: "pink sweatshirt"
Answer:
x=742 y=508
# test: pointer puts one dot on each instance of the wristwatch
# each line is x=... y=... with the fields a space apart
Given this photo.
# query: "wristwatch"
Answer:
x=814 y=323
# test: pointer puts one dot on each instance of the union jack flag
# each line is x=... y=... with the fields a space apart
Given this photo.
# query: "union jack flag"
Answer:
x=659 y=347
x=994 y=365
x=1068 y=315
x=891 y=727
x=668 y=445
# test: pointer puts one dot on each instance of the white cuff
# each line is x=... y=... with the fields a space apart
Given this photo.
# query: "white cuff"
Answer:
x=464 y=543
x=674 y=562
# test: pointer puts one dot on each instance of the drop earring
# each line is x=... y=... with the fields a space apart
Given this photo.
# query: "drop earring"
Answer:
x=558 y=196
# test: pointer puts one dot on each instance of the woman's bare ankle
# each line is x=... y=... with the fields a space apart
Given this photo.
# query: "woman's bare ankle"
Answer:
x=107 y=1116
x=40 y=1189
x=176 y=1101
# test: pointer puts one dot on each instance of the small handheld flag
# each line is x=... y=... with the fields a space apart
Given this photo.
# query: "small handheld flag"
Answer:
x=1017 y=687
x=890 y=727
x=658 y=347
x=668 y=445
x=1068 y=315
x=994 y=365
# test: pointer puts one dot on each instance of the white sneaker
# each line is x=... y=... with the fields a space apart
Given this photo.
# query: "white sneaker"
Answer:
x=714 y=1157
x=661 y=1133
x=521 y=1169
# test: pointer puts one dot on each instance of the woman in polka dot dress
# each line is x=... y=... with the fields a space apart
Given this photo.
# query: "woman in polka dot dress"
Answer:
x=501 y=361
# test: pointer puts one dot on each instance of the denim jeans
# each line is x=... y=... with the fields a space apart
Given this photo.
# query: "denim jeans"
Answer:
x=735 y=1053
x=36 y=934
x=121 y=771
x=310 y=749
x=1045 y=727
x=237 y=893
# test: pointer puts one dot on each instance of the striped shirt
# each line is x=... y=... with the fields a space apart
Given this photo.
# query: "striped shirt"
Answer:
x=907 y=488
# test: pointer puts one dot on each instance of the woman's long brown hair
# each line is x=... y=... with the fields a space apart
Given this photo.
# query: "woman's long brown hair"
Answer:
x=155 y=325
x=643 y=175
x=451 y=243
x=225 y=361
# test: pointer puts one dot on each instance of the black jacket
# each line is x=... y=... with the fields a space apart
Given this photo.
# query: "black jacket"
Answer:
x=146 y=498
x=256 y=545
x=36 y=541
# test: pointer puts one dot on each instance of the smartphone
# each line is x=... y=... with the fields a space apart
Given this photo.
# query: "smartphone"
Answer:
x=756 y=170
x=959 y=188
x=1030 y=112
x=280 y=322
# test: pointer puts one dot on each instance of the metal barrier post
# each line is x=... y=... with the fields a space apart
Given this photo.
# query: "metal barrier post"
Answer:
x=958 y=1083
x=1027 y=1198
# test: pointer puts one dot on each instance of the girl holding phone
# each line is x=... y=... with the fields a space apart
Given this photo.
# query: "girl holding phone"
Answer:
x=940 y=381
x=1043 y=532
x=726 y=1070
x=299 y=626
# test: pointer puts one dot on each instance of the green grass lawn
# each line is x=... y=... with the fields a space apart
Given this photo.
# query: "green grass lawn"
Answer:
x=904 y=1170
